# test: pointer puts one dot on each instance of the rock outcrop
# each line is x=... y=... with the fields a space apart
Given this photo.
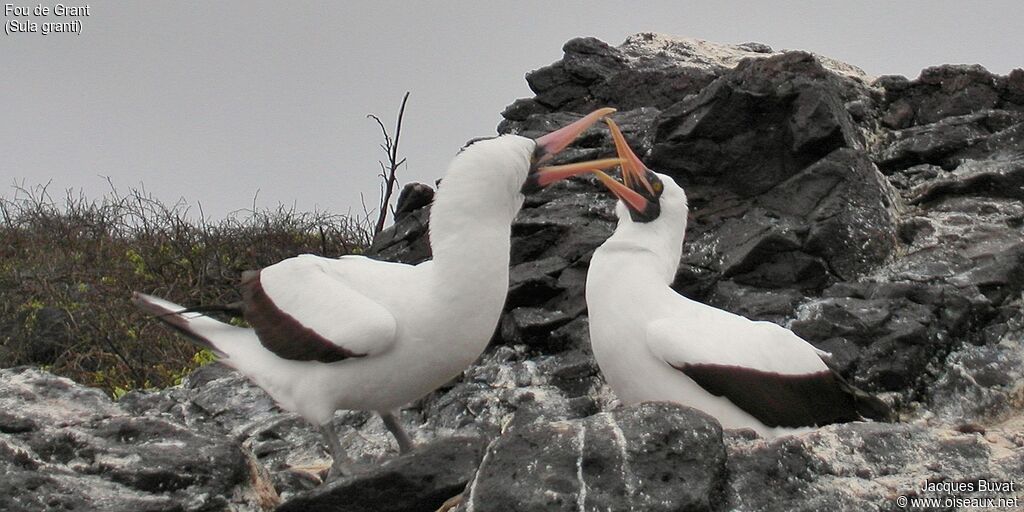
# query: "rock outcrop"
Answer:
x=67 y=447
x=880 y=219
x=654 y=456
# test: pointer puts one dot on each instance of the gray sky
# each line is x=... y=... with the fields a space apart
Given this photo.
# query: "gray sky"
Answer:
x=212 y=101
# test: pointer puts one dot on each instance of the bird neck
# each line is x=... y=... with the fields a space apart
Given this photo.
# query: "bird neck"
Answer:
x=467 y=246
x=470 y=232
x=625 y=281
x=651 y=250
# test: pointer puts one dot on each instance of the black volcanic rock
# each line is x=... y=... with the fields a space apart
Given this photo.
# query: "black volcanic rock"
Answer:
x=758 y=124
x=419 y=482
x=406 y=241
x=412 y=197
x=862 y=466
x=947 y=91
x=532 y=326
x=65 y=446
x=532 y=283
x=655 y=456
x=848 y=209
x=983 y=381
x=835 y=219
x=992 y=178
x=755 y=303
x=647 y=70
x=991 y=134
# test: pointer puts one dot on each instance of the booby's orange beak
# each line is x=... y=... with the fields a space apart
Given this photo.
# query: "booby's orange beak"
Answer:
x=633 y=173
x=626 y=194
x=633 y=170
x=551 y=144
x=545 y=176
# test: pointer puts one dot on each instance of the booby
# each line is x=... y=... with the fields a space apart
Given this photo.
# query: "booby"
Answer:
x=652 y=343
x=357 y=333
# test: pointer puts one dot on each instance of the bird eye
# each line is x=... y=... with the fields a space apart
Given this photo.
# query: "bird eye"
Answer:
x=657 y=186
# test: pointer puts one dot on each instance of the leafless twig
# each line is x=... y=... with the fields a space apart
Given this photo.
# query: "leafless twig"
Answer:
x=388 y=170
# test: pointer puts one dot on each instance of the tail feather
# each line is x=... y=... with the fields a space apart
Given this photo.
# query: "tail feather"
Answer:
x=234 y=310
x=868 y=405
x=180 y=319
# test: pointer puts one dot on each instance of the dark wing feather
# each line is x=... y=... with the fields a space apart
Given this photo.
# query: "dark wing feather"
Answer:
x=792 y=401
x=282 y=334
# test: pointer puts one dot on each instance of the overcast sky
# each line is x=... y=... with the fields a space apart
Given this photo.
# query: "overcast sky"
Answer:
x=212 y=101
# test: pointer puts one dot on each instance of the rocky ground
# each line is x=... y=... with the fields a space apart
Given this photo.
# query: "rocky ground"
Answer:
x=880 y=219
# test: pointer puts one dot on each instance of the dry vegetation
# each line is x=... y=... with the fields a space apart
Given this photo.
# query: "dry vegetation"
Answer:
x=68 y=267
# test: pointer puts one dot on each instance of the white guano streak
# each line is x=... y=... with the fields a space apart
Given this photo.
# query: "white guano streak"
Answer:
x=581 y=497
x=627 y=471
x=472 y=485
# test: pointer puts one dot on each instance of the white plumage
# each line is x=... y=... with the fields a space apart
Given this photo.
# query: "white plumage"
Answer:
x=653 y=344
x=356 y=333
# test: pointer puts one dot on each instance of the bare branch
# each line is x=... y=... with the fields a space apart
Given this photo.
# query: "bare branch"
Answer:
x=388 y=171
x=387 y=137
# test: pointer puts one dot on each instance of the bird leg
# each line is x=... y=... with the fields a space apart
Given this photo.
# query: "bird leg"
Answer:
x=340 y=466
x=405 y=444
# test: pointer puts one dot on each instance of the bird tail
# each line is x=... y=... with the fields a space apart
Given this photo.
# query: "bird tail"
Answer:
x=867 y=405
x=189 y=322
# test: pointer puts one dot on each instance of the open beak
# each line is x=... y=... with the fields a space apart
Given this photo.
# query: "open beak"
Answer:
x=634 y=172
x=545 y=176
x=626 y=194
x=551 y=144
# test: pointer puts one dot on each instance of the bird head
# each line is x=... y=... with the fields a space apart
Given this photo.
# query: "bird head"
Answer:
x=652 y=208
x=644 y=195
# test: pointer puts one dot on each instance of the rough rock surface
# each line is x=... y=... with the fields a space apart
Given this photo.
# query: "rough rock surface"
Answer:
x=868 y=466
x=413 y=483
x=880 y=219
x=654 y=456
x=67 y=447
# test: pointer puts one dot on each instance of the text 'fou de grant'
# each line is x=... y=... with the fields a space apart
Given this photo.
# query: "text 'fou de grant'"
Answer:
x=63 y=19
x=45 y=10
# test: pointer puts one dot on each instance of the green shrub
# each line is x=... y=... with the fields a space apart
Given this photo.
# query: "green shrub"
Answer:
x=67 y=272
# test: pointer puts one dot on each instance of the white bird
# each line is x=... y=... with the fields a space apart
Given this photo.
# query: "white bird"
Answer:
x=356 y=333
x=653 y=344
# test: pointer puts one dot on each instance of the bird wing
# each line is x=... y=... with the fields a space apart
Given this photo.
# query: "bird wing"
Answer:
x=305 y=309
x=762 y=368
